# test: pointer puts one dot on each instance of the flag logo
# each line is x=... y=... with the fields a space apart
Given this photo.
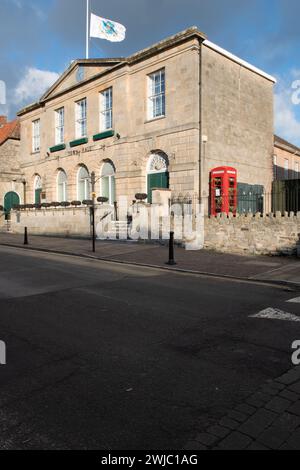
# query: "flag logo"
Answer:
x=103 y=28
x=109 y=27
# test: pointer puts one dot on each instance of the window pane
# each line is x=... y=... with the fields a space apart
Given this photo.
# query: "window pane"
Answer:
x=156 y=103
x=105 y=186
x=106 y=110
x=81 y=118
x=62 y=177
x=113 y=190
x=107 y=170
x=59 y=133
x=81 y=191
x=83 y=184
x=60 y=193
x=36 y=135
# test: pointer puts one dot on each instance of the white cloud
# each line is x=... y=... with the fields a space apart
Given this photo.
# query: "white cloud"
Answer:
x=287 y=114
x=35 y=8
x=33 y=85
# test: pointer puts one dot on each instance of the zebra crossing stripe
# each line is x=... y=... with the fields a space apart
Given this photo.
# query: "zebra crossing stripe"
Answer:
x=276 y=314
x=294 y=301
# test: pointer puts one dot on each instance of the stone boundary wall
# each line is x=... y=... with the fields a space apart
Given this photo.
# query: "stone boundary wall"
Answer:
x=65 y=222
x=245 y=234
x=254 y=234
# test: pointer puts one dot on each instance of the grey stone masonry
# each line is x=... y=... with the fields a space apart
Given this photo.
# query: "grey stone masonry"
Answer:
x=254 y=234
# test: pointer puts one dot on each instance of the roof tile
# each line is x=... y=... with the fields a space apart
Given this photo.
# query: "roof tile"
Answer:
x=11 y=130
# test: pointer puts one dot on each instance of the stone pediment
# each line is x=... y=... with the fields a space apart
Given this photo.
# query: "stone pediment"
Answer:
x=79 y=72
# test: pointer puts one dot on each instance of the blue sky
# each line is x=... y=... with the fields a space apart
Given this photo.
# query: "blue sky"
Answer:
x=39 y=38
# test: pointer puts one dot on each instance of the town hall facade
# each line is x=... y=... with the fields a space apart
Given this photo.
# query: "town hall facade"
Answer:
x=164 y=117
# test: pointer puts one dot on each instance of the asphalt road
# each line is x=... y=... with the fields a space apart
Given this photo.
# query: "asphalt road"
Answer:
x=104 y=356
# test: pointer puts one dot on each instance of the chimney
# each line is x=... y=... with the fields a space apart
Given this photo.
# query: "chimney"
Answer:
x=3 y=121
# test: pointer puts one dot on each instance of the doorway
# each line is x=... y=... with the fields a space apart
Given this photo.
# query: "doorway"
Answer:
x=11 y=199
x=158 y=174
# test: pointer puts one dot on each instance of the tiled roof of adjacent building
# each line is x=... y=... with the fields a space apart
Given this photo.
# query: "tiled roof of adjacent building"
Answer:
x=285 y=145
x=9 y=130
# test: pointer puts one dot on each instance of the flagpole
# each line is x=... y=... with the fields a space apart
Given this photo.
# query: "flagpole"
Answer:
x=87 y=27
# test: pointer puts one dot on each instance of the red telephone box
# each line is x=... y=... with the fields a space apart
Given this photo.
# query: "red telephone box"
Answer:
x=223 y=190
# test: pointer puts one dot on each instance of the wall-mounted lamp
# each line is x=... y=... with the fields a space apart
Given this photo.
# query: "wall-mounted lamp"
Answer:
x=24 y=190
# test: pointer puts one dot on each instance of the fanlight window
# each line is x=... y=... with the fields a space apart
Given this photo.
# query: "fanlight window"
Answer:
x=157 y=174
x=157 y=164
x=38 y=183
x=108 y=183
x=37 y=190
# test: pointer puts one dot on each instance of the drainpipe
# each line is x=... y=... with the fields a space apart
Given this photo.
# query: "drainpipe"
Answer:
x=200 y=127
x=200 y=223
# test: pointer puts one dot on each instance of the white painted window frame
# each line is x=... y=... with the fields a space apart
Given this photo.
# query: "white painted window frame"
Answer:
x=154 y=95
x=60 y=126
x=81 y=118
x=36 y=135
x=106 y=109
x=87 y=185
x=286 y=168
x=64 y=187
x=111 y=183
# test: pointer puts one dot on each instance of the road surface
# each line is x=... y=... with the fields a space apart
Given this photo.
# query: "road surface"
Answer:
x=105 y=356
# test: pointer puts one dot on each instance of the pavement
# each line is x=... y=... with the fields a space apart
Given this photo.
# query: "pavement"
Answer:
x=284 y=270
x=268 y=420
x=109 y=356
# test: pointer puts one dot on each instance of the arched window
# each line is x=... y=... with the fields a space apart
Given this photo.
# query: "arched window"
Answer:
x=157 y=173
x=83 y=184
x=108 y=182
x=37 y=189
x=62 y=186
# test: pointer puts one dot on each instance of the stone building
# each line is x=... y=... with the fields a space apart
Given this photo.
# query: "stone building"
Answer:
x=11 y=180
x=163 y=117
x=286 y=160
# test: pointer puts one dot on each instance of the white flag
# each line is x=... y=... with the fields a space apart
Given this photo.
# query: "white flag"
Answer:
x=107 y=29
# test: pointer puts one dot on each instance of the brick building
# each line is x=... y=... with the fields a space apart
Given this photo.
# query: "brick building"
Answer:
x=286 y=160
x=163 y=117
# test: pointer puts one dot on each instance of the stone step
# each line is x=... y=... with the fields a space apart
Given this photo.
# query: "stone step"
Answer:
x=5 y=227
x=119 y=224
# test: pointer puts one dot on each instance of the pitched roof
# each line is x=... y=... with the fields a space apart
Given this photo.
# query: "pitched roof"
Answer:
x=10 y=130
x=285 y=145
x=108 y=62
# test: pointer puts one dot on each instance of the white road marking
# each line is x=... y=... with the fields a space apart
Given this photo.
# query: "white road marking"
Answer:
x=294 y=301
x=276 y=314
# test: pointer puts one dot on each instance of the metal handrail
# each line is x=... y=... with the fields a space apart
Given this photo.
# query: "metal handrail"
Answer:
x=105 y=215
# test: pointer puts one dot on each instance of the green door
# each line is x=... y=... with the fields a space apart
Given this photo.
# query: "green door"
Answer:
x=157 y=181
x=37 y=196
x=10 y=199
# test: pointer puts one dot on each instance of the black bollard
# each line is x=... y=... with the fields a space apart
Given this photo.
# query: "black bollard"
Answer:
x=26 y=236
x=171 y=261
